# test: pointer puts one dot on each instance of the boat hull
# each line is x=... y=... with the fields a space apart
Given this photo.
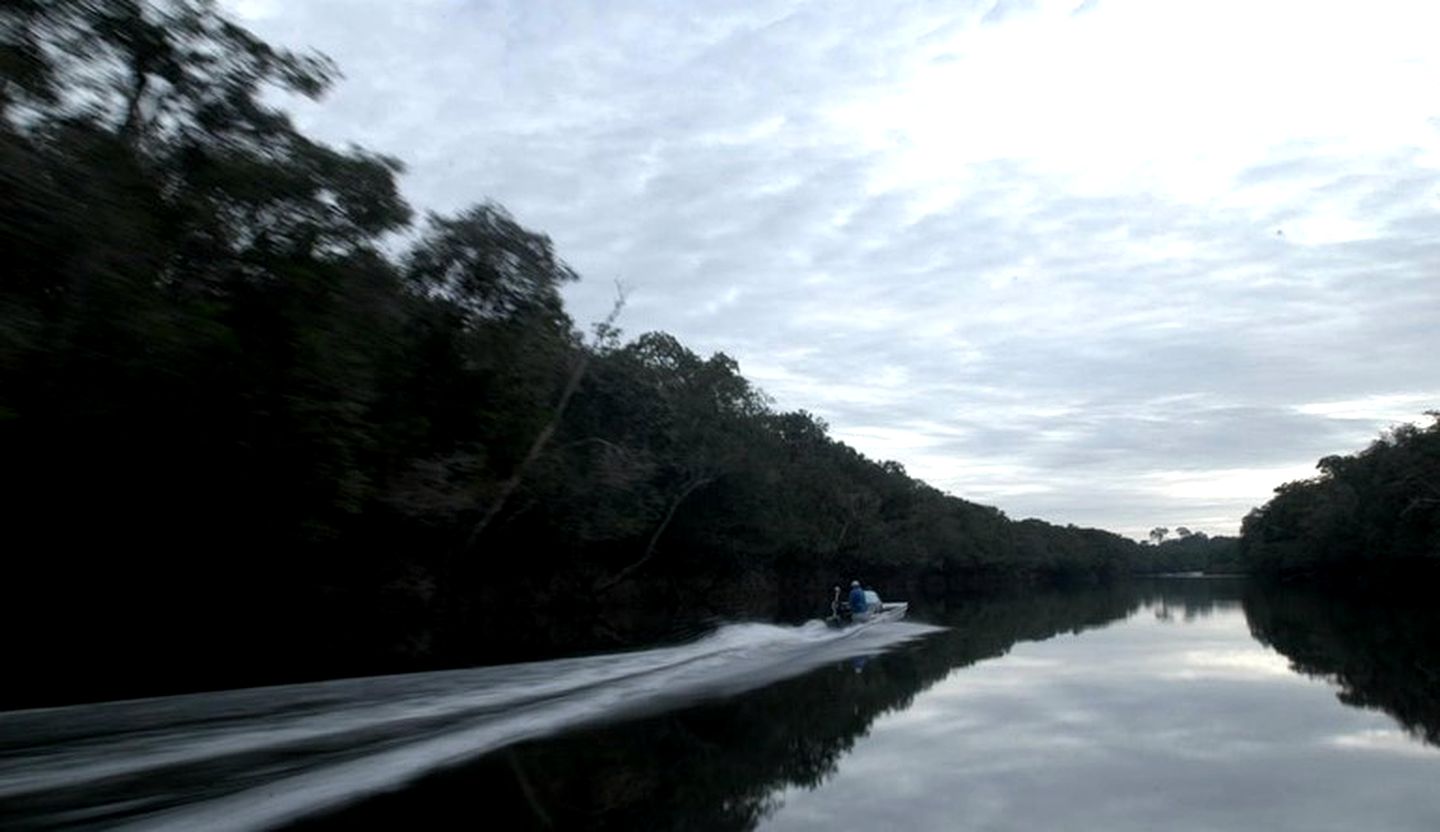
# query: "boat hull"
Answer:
x=889 y=611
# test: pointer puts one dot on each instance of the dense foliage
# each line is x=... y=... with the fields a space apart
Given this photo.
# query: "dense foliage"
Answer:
x=1376 y=513
x=257 y=427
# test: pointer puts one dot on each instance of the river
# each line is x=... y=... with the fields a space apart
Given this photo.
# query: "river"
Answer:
x=1176 y=704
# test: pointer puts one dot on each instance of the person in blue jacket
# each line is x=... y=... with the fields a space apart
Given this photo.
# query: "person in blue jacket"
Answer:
x=857 y=599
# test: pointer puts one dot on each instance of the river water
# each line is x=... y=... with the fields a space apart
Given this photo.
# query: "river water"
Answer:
x=1175 y=704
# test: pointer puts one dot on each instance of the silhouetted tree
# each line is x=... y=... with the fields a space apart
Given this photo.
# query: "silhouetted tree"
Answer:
x=1377 y=511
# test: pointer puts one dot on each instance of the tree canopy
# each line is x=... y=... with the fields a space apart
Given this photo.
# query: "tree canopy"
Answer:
x=1375 y=512
x=251 y=433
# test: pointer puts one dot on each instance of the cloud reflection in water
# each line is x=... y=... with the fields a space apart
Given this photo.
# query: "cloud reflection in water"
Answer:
x=1160 y=721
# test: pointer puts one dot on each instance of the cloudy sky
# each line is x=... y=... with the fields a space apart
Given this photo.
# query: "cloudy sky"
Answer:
x=1118 y=263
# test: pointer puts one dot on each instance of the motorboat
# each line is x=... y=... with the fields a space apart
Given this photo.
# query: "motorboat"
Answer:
x=876 y=610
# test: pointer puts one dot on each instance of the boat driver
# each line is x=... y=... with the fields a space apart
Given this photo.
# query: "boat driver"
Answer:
x=857 y=599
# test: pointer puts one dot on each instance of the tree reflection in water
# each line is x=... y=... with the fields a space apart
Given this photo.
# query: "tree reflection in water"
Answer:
x=1381 y=648
x=720 y=765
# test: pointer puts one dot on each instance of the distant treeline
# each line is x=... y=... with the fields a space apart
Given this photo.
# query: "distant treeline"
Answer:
x=1190 y=552
x=256 y=426
x=1374 y=514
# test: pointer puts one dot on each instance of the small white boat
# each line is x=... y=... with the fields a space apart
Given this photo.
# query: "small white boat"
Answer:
x=876 y=611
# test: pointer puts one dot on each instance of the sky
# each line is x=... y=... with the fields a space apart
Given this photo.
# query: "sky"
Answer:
x=1116 y=263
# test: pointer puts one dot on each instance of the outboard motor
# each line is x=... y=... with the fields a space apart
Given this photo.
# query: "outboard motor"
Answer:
x=840 y=613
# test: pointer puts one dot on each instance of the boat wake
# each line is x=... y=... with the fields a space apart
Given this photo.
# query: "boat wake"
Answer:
x=259 y=757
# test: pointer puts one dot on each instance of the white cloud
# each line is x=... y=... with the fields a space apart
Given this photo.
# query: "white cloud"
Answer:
x=1383 y=741
x=1398 y=408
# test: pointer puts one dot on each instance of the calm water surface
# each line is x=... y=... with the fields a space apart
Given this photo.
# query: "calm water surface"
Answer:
x=1174 y=717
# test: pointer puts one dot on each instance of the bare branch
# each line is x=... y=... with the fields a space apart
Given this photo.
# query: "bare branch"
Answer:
x=537 y=447
x=690 y=488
